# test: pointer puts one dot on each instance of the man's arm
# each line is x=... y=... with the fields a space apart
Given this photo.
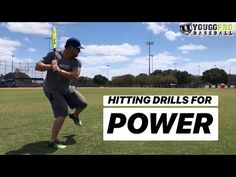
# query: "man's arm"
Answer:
x=70 y=75
x=40 y=66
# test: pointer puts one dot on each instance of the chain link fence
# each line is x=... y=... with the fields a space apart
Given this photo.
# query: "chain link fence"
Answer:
x=21 y=74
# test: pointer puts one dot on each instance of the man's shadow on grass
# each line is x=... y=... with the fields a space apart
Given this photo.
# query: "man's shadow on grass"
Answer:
x=40 y=148
x=70 y=139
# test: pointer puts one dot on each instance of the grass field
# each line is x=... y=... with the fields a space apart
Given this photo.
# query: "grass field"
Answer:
x=26 y=119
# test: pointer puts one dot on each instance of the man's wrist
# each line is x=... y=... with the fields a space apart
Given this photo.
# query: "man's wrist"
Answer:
x=50 y=67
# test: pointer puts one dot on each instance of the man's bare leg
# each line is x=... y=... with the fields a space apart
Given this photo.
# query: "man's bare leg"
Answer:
x=57 y=124
x=78 y=111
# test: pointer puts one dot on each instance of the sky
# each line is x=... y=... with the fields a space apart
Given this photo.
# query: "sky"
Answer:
x=118 y=48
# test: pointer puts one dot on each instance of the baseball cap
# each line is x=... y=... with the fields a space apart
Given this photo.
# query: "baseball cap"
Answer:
x=73 y=42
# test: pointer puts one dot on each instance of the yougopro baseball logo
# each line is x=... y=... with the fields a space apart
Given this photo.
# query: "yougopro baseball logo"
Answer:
x=207 y=29
x=148 y=124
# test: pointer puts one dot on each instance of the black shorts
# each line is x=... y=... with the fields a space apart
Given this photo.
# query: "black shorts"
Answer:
x=60 y=102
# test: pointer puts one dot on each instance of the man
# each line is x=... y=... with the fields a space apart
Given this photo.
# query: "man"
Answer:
x=61 y=67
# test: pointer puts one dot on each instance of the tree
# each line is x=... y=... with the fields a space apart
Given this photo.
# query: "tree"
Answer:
x=232 y=79
x=82 y=82
x=142 y=80
x=155 y=80
x=183 y=77
x=16 y=75
x=168 y=72
x=157 y=72
x=100 y=80
x=1 y=77
x=169 y=80
x=124 y=80
x=215 y=76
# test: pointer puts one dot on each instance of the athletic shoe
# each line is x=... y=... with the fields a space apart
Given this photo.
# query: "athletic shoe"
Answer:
x=76 y=120
x=56 y=144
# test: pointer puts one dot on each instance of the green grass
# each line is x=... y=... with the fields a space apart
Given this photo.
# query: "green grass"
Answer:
x=26 y=120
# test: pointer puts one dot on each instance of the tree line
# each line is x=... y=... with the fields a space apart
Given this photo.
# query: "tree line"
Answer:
x=159 y=78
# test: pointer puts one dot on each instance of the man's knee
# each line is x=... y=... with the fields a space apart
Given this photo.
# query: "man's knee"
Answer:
x=84 y=105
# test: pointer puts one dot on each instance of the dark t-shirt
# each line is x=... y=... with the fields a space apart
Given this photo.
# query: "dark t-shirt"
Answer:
x=55 y=83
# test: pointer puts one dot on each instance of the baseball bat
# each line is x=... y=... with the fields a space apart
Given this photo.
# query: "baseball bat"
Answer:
x=54 y=43
x=54 y=38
